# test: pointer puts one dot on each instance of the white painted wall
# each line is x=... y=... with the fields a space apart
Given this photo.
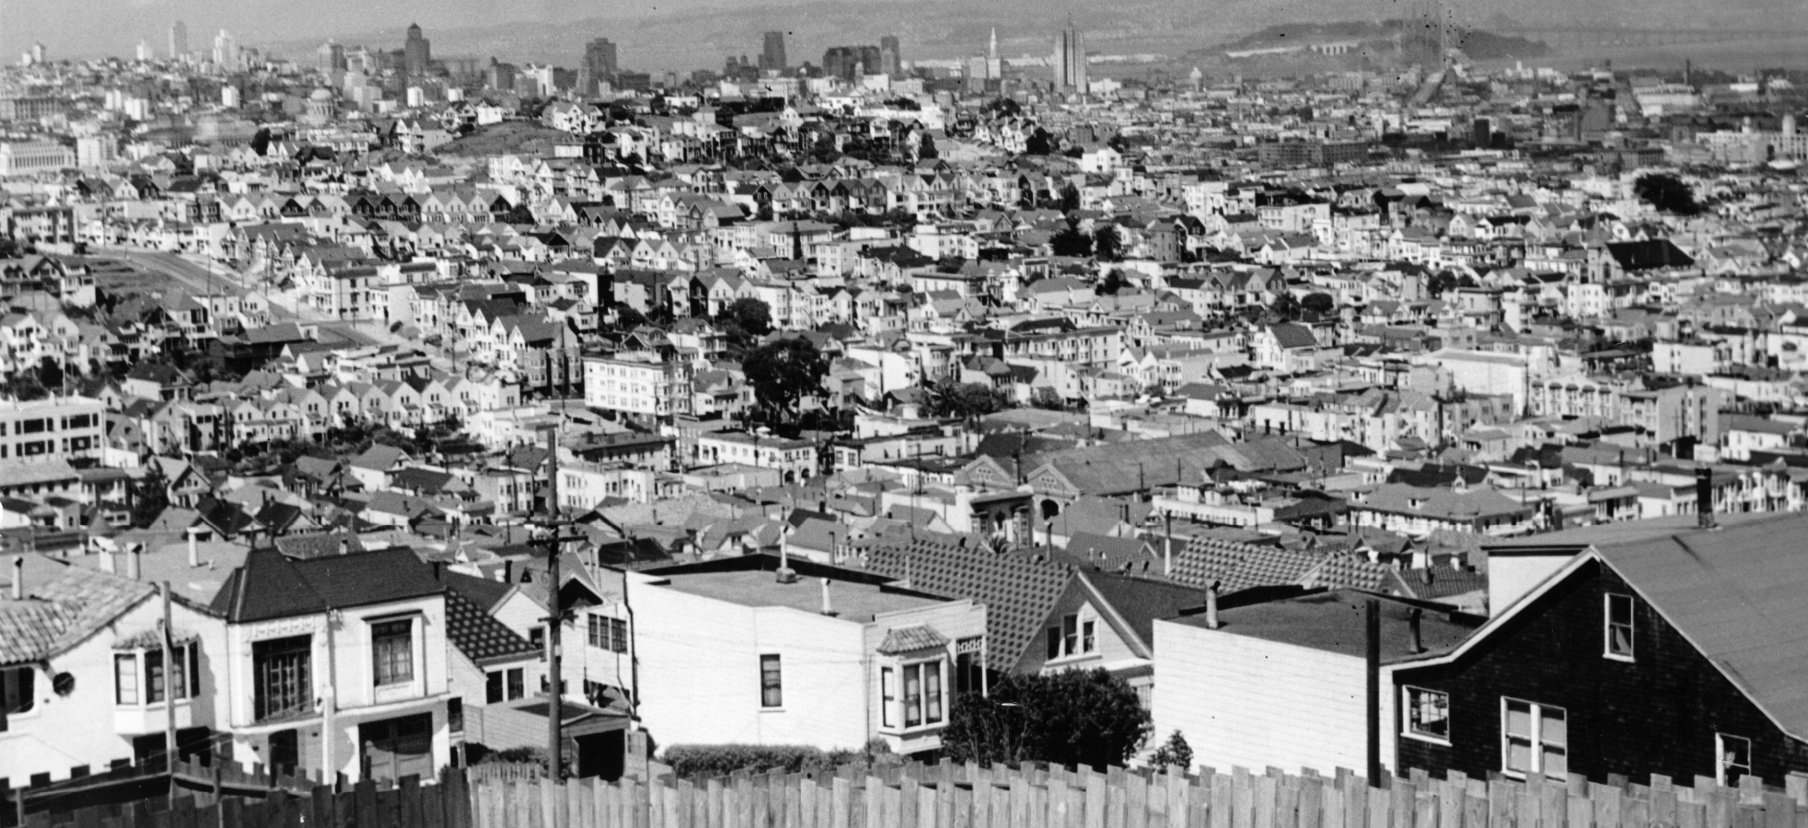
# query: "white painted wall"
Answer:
x=1244 y=701
x=1512 y=577
x=87 y=727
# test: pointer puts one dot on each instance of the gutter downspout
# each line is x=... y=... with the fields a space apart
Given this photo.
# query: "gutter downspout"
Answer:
x=330 y=703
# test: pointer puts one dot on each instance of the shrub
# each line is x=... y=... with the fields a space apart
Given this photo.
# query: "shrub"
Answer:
x=689 y=761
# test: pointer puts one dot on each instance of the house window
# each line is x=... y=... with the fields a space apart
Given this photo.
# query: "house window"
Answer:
x=392 y=651
x=184 y=673
x=455 y=714
x=1534 y=739
x=1617 y=626
x=609 y=633
x=923 y=700
x=888 y=696
x=1074 y=637
x=537 y=637
x=504 y=685
x=17 y=691
x=125 y=679
x=280 y=673
x=1732 y=758
x=1427 y=714
x=771 y=682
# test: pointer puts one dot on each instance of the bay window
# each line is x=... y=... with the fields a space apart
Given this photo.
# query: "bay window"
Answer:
x=923 y=700
x=138 y=675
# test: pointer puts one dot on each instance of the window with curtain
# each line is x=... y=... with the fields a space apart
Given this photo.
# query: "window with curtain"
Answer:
x=392 y=651
x=771 y=682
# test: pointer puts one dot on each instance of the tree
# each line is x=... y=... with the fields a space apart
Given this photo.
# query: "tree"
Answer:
x=1320 y=304
x=1108 y=243
x=1039 y=143
x=149 y=496
x=50 y=374
x=1073 y=717
x=926 y=151
x=783 y=373
x=1071 y=242
x=1174 y=753
x=1070 y=198
x=969 y=399
x=751 y=314
x=1667 y=193
x=1285 y=307
x=1114 y=282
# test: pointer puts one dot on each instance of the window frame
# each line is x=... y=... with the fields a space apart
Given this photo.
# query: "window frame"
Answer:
x=1074 y=636
x=1721 y=765
x=386 y=670
x=1608 y=625
x=772 y=681
x=298 y=652
x=9 y=685
x=125 y=666
x=1535 y=743
x=1409 y=718
x=888 y=696
x=185 y=671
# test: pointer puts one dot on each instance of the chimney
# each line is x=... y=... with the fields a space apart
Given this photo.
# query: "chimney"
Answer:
x=1413 y=627
x=1704 y=498
x=827 y=607
x=786 y=575
x=1211 y=607
x=194 y=549
x=18 y=577
x=132 y=562
x=508 y=572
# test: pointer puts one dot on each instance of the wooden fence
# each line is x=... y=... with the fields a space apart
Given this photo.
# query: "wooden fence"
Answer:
x=949 y=796
x=405 y=804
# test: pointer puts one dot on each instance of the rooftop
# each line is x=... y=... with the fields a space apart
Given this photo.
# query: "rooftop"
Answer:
x=850 y=599
x=1333 y=622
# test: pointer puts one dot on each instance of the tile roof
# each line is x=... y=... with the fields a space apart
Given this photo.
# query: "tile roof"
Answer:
x=911 y=639
x=70 y=606
x=479 y=635
x=1018 y=592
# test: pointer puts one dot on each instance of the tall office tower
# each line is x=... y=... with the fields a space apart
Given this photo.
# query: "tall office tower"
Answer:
x=178 y=39
x=772 y=54
x=841 y=62
x=891 y=61
x=1070 y=60
x=417 y=52
x=225 y=50
x=600 y=58
x=144 y=53
x=869 y=60
x=994 y=64
x=331 y=58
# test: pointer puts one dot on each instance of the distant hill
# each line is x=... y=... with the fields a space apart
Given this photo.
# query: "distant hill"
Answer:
x=1409 y=36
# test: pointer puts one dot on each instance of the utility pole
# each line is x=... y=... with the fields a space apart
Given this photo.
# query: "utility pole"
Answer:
x=555 y=616
x=169 y=692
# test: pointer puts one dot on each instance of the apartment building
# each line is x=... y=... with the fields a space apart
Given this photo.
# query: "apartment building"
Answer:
x=57 y=428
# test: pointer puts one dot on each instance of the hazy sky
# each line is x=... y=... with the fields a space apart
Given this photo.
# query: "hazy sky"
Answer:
x=95 y=27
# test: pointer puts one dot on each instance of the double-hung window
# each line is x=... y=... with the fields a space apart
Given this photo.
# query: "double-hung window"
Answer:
x=504 y=685
x=888 y=696
x=924 y=699
x=280 y=675
x=392 y=651
x=1534 y=739
x=1732 y=758
x=1617 y=626
x=772 y=692
x=1074 y=637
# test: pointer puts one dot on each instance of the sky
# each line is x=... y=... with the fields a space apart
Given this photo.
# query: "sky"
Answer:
x=94 y=28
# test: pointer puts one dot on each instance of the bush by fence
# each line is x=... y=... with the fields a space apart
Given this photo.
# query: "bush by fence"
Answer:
x=696 y=761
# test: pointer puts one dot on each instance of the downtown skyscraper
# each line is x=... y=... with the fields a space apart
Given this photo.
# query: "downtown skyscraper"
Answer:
x=178 y=39
x=772 y=53
x=1070 y=60
x=417 y=52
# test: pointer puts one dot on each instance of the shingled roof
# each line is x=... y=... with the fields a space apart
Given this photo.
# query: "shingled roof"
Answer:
x=1018 y=592
x=479 y=635
x=271 y=585
x=1233 y=566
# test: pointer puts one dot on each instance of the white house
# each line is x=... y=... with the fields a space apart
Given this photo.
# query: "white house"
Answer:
x=337 y=664
x=732 y=651
x=1282 y=683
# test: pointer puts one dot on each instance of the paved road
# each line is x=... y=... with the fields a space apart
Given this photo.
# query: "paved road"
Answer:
x=191 y=273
